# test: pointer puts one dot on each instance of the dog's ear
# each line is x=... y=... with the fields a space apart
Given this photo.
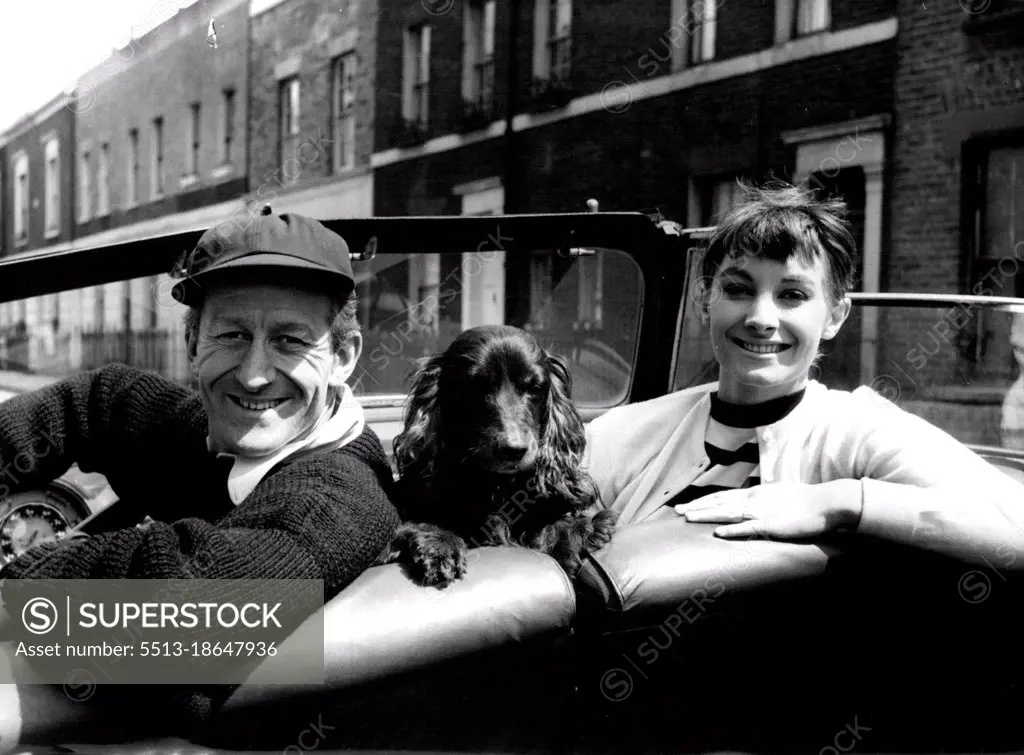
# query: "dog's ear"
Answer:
x=418 y=445
x=563 y=441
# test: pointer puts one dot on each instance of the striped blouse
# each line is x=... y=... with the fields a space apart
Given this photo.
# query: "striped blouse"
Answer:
x=731 y=445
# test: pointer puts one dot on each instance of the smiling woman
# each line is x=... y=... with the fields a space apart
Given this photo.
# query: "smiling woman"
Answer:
x=769 y=451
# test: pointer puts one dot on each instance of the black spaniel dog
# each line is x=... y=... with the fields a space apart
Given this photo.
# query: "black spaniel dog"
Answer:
x=491 y=454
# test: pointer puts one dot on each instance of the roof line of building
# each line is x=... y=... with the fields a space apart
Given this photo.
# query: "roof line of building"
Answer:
x=33 y=119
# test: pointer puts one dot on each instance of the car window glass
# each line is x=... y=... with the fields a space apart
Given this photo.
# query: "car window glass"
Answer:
x=959 y=365
x=585 y=307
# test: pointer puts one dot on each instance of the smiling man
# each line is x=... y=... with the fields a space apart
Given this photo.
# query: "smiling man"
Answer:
x=269 y=472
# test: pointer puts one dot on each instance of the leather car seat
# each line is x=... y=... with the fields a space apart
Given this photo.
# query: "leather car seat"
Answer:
x=400 y=660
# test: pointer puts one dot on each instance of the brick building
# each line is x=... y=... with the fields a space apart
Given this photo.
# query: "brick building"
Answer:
x=956 y=212
x=159 y=147
x=312 y=109
x=37 y=204
x=636 y=104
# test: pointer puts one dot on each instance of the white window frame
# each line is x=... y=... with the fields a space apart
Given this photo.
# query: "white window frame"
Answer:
x=345 y=72
x=549 y=38
x=134 y=167
x=289 y=125
x=157 y=182
x=811 y=17
x=103 y=181
x=702 y=34
x=478 y=53
x=51 y=188
x=85 y=186
x=697 y=20
x=22 y=192
x=193 y=138
x=416 y=75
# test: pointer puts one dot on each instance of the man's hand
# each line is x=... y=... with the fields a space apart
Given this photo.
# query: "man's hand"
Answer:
x=782 y=511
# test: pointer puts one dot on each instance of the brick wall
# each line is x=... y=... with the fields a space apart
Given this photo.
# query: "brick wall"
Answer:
x=945 y=78
x=644 y=156
x=161 y=74
x=954 y=90
x=613 y=40
x=309 y=32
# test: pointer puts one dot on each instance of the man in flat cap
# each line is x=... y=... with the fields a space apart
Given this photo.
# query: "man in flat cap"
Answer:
x=269 y=472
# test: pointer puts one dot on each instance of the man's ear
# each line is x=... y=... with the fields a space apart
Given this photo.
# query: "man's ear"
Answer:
x=837 y=316
x=346 y=360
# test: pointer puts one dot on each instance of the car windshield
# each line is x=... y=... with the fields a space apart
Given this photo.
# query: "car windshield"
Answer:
x=411 y=306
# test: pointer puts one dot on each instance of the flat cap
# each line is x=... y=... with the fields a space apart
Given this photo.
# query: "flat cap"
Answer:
x=287 y=241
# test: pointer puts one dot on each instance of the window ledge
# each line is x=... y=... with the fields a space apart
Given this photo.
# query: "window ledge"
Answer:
x=188 y=180
x=224 y=169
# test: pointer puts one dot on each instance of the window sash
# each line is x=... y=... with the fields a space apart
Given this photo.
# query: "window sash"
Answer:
x=51 y=189
x=290 y=134
x=812 y=16
x=103 y=181
x=229 y=124
x=21 y=199
x=158 y=157
x=194 y=134
x=703 y=14
x=85 y=187
x=133 y=166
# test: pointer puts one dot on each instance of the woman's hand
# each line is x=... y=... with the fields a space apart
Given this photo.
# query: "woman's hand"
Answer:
x=782 y=511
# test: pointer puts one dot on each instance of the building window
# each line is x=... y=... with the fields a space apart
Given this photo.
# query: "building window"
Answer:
x=85 y=187
x=345 y=112
x=416 y=89
x=103 y=182
x=194 y=131
x=541 y=276
x=51 y=179
x=711 y=199
x=21 y=189
x=157 y=182
x=812 y=16
x=703 y=24
x=133 y=166
x=998 y=216
x=478 y=61
x=553 y=40
x=590 y=301
x=228 y=126
x=289 y=109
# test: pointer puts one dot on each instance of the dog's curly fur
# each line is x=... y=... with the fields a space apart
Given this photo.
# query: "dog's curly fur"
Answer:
x=491 y=454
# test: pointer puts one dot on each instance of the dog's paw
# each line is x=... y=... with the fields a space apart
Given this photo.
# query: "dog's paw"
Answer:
x=601 y=529
x=433 y=556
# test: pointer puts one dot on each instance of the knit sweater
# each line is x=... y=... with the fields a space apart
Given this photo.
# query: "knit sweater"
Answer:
x=319 y=516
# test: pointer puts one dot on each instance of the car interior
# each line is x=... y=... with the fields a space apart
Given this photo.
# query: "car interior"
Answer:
x=670 y=640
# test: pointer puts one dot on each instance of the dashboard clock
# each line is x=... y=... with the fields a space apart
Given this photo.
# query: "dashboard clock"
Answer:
x=37 y=516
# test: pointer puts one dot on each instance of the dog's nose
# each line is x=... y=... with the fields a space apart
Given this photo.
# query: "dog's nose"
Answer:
x=510 y=453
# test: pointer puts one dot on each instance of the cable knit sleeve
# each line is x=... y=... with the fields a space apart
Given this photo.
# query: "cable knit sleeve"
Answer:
x=103 y=420
x=327 y=517
x=923 y=487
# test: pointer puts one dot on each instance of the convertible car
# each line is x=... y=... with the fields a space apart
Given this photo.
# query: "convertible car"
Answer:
x=671 y=640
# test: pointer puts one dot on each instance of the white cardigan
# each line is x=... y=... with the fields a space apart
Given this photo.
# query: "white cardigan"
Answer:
x=919 y=484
